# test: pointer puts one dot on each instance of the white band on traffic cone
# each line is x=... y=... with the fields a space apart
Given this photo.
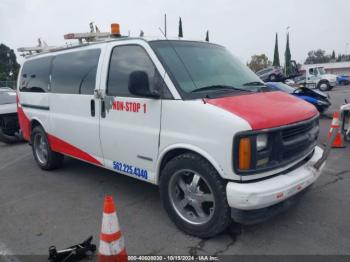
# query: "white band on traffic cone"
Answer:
x=112 y=248
x=110 y=223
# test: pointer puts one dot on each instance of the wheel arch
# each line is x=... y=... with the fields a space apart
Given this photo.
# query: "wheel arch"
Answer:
x=175 y=150
x=34 y=122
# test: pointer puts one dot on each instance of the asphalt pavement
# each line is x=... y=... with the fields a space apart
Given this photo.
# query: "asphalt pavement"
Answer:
x=63 y=207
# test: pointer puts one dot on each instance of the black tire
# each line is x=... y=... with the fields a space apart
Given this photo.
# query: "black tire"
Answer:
x=324 y=86
x=220 y=217
x=272 y=78
x=53 y=160
x=6 y=138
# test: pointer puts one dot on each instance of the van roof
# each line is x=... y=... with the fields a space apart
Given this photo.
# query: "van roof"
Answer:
x=108 y=40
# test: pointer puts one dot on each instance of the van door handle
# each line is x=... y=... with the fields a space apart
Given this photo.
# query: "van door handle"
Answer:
x=103 y=108
x=92 y=107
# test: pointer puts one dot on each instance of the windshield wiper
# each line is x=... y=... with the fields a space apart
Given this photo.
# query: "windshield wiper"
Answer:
x=258 y=84
x=255 y=83
x=218 y=87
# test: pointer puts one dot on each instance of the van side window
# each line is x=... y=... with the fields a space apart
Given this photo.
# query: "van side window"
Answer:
x=35 y=75
x=124 y=61
x=75 y=72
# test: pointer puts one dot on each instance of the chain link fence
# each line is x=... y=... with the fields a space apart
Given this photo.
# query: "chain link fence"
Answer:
x=10 y=84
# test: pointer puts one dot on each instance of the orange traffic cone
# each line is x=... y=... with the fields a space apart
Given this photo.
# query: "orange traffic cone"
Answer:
x=338 y=141
x=112 y=248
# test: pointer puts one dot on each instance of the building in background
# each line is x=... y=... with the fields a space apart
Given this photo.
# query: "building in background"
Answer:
x=338 y=68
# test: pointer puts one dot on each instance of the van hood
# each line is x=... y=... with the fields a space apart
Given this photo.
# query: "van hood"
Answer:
x=266 y=110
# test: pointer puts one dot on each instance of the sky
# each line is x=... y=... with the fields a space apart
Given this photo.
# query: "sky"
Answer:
x=245 y=27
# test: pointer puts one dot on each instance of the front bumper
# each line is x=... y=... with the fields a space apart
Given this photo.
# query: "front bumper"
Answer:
x=333 y=83
x=265 y=193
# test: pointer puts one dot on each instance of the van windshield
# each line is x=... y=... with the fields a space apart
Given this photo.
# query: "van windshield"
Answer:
x=202 y=69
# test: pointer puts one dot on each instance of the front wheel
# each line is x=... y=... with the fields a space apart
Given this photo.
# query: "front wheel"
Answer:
x=272 y=78
x=44 y=156
x=324 y=86
x=194 y=196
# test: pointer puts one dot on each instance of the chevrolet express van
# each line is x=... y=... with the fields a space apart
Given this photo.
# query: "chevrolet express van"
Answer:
x=184 y=115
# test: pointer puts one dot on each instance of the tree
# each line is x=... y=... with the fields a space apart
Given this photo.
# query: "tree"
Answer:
x=333 y=56
x=317 y=57
x=180 y=28
x=287 y=55
x=343 y=58
x=207 y=36
x=276 y=55
x=8 y=64
x=259 y=62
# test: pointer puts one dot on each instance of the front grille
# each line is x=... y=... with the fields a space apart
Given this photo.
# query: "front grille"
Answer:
x=299 y=139
x=291 y=132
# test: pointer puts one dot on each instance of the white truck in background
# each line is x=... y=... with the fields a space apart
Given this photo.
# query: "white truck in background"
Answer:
x=318 y=77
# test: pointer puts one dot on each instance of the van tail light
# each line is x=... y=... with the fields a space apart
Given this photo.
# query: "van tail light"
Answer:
x=244 y=154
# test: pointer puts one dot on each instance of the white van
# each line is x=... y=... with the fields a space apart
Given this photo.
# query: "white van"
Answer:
x=185 y=115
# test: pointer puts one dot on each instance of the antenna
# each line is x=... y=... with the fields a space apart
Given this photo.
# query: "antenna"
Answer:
x=165 y=25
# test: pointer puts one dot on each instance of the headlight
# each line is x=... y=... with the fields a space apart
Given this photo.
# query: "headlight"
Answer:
x=261 y=142
x=247 y=146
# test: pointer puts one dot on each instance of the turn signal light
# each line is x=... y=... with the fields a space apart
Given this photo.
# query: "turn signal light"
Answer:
x=115 y=29
x=244 y=154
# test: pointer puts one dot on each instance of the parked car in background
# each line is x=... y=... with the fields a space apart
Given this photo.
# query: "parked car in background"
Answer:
x=9 y=126
x=271 y=74
x=319 y=99
x=343 y=80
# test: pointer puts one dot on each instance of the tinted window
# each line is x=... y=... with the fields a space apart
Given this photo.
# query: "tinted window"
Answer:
x=35 y=75
x=75 y=73
x=124 y=61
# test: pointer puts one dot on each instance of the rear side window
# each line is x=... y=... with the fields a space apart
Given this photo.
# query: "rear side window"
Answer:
x=35 y=75
x=124 y=61
x=75 y=73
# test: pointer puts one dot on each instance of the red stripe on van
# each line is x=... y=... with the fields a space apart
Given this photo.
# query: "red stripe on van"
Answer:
x=24 y=121
x=266 y=110
x=60 y=146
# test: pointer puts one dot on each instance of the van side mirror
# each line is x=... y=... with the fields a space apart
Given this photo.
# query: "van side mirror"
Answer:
x=139 y=85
